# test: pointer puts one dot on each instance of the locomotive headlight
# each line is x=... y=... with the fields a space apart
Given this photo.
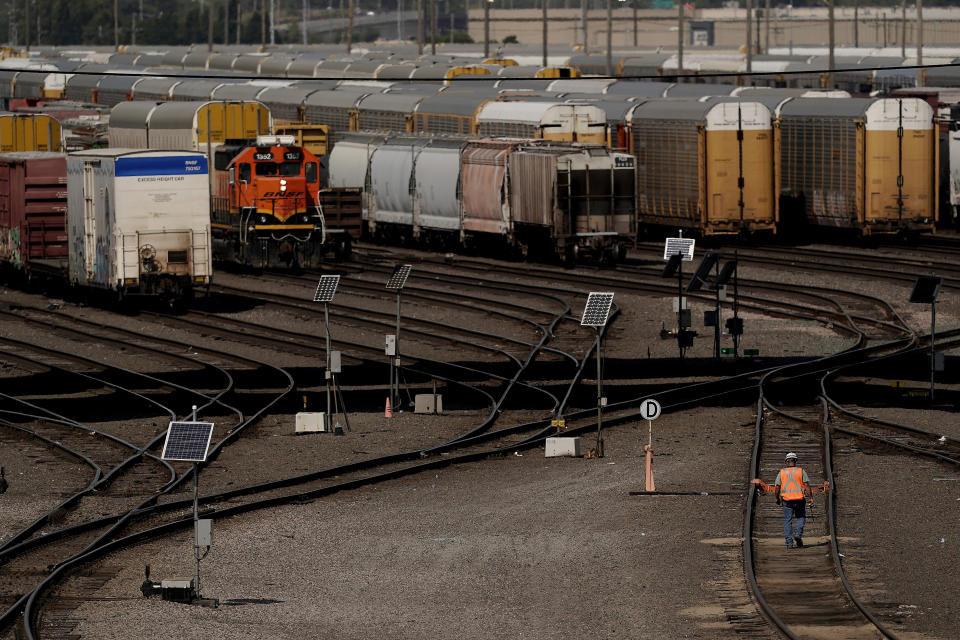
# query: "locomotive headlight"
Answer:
x=283 y=185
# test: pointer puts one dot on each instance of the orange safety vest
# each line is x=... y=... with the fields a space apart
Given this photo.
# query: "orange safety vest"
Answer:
x=791 y=483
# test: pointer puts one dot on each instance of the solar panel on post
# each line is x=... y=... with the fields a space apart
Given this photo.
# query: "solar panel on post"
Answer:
x=726 y=272
x=683 y=246
x=187 y=441
x=703 y=271
x=597 y=309
x=399 y=277
x=326 y=289
x=926 y=289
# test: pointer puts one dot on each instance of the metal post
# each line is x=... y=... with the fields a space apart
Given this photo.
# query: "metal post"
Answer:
x=933 y=349
x=716 y=327
x=304 y=34
x=856 y=24
x=486 y=28
x=396 y=357
x=116 y=25
x=634 y=23
x=680 y=306
x=400 y=20
x=196 y=524
x=326 y=374
x=736 y=305
x=599 y=400
x=263 y=23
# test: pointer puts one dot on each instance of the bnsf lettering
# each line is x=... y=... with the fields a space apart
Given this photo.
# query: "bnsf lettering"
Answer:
x=283 y=194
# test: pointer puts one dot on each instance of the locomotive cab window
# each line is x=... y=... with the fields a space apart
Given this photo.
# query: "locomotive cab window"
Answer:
x=310 y=171
x=243 y=173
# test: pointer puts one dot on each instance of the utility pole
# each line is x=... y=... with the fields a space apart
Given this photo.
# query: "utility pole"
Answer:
x=433 y=27
x=26 y=25
x=919 y=37
x=610 y=36
x=583 y=24
x=263 y=24
x=210 y=25
x=351 y=10
x=544 y=33
x=116 y=25
x=486 y=28
x=749 y=37
x=634 y=3
x=832 y=45
x=766 y=27
x=420 y=27
x=273 y=33
x=226 y=22
x=304 y=30
x=680 y=38
x=903 y=29
x=239 y=21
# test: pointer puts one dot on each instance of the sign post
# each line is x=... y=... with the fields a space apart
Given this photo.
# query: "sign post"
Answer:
x=649 y=409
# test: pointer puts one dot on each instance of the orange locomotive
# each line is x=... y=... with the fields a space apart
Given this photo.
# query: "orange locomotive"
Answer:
x=266 y=210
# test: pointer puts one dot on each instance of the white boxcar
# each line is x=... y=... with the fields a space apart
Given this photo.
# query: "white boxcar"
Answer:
x=139 y=221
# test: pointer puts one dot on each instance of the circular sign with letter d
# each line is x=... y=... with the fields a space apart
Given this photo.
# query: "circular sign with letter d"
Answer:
x=649 y=409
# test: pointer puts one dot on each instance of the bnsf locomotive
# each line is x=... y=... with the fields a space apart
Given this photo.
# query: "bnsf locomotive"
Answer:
x=267 y=210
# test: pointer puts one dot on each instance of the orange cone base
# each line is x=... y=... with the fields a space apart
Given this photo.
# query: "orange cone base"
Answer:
x=388 y=413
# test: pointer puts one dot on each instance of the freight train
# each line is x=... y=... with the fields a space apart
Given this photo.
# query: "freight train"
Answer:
x=121 y=223
x=523 y=196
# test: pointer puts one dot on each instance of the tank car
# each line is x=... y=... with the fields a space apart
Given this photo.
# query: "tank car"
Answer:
x=861 y=164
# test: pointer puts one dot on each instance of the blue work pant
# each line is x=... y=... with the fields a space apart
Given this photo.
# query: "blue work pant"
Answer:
x=793 y=509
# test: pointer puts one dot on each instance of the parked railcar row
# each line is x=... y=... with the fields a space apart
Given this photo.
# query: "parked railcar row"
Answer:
x=533 y=198
x=119 y=221
x=677 y=184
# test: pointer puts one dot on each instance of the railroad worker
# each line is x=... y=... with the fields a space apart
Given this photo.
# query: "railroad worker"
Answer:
x=793 y=492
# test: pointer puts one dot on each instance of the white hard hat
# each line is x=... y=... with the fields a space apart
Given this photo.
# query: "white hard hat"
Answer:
x=791 y=456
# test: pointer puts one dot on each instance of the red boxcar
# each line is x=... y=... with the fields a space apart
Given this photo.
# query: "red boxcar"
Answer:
x=33 y=212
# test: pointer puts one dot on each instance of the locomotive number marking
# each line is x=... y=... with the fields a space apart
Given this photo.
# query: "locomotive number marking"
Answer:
x=263 y=155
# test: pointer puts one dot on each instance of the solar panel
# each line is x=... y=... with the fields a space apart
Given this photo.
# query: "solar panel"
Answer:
x=399 y=276
x=597 y=310
x=326 y=289
x=703 y=271
x=683 y=246
x=672 y=265
x=187 y=441
x=726 y=272
x=926 y=289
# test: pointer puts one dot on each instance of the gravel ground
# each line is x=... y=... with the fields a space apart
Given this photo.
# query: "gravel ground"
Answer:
x=524 y=546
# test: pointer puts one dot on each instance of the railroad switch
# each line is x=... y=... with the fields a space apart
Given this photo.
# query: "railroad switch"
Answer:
x=180 y=590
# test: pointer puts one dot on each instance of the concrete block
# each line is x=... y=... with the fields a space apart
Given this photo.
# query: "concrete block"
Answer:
x=311 y=422
x=423 y=403
x=559 y=447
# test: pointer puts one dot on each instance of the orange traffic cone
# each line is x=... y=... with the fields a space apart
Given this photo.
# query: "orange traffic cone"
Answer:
x=388 y=413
